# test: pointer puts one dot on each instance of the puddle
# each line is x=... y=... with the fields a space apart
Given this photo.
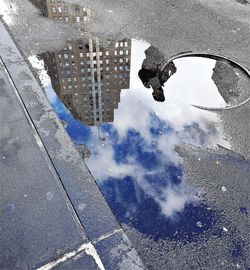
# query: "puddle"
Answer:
x=127 y=111
x=129 y=138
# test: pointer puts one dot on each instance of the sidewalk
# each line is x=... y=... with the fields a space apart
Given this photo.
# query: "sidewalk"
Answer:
x=53 y=214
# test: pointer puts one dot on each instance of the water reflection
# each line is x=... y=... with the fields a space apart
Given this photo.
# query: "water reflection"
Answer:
x=132 y=152
x=128 y=139
x=102 y=94
x=152 y=74
x=88 y=78
x=63 y=10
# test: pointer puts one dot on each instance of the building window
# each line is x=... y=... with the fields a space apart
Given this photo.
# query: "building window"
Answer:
x=66 y=19
x=126 y=44
x=66 y=56
x=53 y=10
x=81 y=54
x=107 y=53
x=115 y=52
x=116 y=44
x=107 y=68
x=121 y=44
x=59 y=9
x=77 y=19
x=77 y=9
x=121 y=60
x=126 y=52
x=121 y=52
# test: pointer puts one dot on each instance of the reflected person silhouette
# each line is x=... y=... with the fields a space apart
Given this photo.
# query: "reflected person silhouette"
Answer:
x=151 y=74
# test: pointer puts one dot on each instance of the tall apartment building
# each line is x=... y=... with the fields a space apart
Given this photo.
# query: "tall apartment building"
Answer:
x=62 y=10
x=87 y=77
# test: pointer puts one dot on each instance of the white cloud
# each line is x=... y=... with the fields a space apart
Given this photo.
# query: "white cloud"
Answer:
x=174 y=201
x=107 y=166
x=38 y=65
x=170 y=199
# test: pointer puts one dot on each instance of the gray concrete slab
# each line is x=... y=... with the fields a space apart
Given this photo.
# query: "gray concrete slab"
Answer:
x=37 y=220
x=79 y=262
x=83 y=192
x=116 y=252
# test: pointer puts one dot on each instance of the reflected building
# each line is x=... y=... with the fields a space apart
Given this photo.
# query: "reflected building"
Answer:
x=62 y=10
x=69 y=12
x=87 y=77
x=226 y=80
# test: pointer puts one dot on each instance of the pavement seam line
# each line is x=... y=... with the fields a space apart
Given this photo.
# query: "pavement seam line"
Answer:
x=107 y=235
x=88 y=248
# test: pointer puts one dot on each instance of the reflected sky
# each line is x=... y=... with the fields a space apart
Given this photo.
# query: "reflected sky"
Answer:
x=133 y=158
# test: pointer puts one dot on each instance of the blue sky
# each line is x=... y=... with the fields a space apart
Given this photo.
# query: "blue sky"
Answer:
x=136 y=165
x=144 y=186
